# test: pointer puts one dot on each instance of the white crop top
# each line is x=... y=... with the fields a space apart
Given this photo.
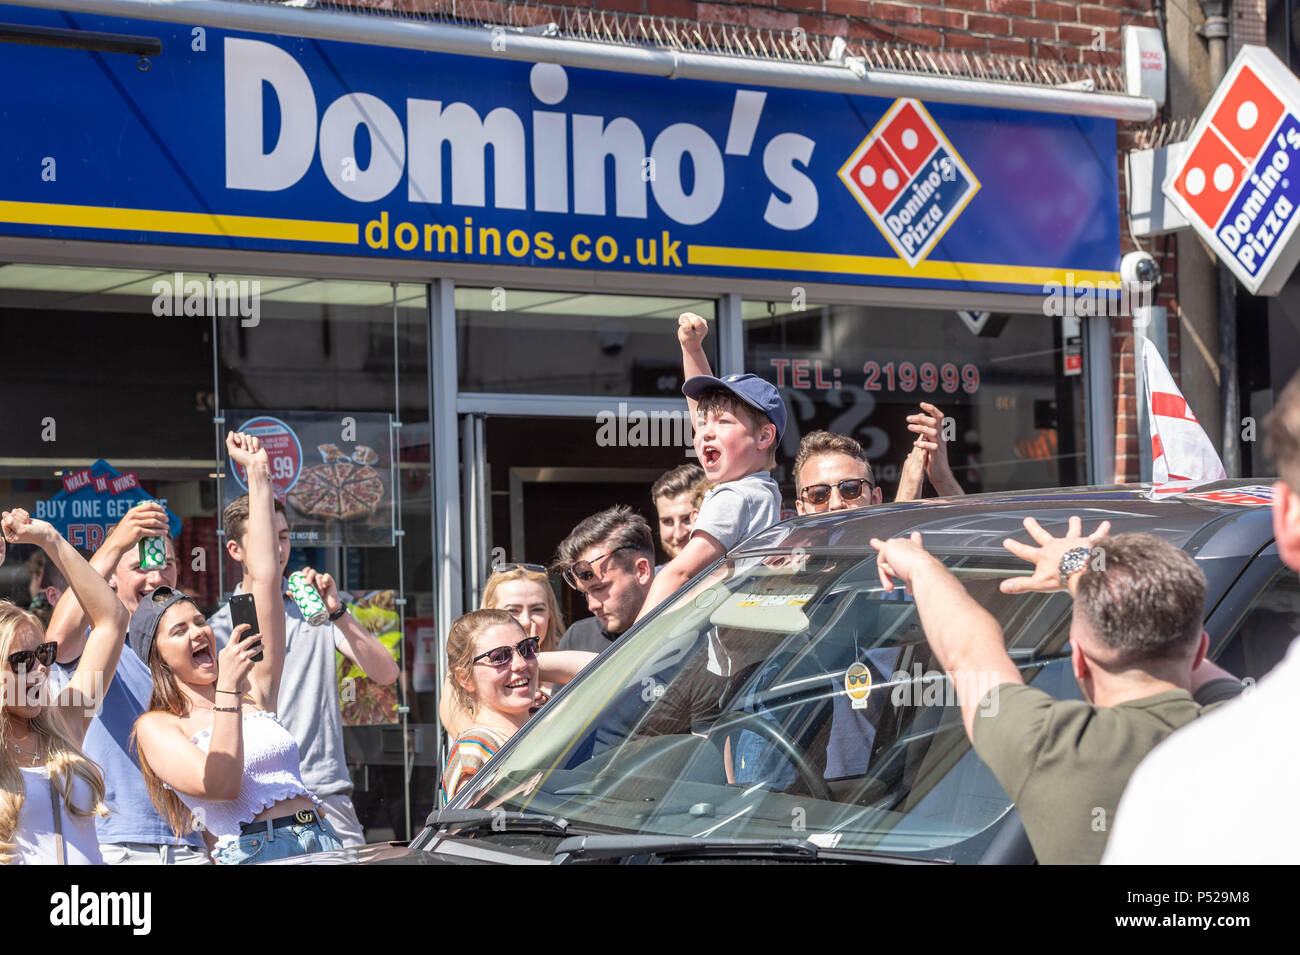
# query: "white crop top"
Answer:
x=270 y=775
x=34 y=838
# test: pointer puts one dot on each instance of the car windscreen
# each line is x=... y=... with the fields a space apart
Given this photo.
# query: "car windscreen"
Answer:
x=781 y=696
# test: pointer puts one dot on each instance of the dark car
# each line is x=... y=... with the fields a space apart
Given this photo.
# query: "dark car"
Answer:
x=784 y=707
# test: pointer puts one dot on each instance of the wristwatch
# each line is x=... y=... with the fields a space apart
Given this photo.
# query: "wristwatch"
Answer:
x=1072 y=561
x=343 y=608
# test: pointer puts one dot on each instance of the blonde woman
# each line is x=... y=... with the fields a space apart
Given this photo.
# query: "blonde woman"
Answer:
x=495 y=669
x=211 y=749
x=524 y=591
x=50 y=793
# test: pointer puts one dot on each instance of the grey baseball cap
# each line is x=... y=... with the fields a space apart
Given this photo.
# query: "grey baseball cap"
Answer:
x=144 y=622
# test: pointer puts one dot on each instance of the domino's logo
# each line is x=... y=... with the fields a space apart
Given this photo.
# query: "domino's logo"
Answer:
x=909 y=179
x=1237 y=177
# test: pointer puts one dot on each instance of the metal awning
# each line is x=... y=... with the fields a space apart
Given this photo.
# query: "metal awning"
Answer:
x=851 y=75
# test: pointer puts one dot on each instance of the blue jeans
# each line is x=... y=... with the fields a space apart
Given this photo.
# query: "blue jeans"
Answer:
x=281 y=843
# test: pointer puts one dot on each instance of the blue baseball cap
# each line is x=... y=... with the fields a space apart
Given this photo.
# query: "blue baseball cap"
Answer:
x=759 y=393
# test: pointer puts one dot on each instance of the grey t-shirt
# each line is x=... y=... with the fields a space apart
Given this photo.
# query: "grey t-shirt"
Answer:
x=738 y=509
x=309 y=697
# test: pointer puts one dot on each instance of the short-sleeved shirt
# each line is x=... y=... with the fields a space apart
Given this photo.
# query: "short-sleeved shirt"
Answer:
x=469 y=752
x=1065 y=763
x=309 y=696
x=587 y=634
x=735 y=510
x=131 y=815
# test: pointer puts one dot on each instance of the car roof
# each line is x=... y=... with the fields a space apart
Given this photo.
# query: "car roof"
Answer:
x=979 y=523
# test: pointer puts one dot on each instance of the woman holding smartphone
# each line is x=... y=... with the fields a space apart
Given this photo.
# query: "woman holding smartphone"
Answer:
x=50 y=793
x=212 y=752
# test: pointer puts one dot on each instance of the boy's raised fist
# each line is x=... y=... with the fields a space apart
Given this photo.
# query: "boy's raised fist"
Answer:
x=691 y=329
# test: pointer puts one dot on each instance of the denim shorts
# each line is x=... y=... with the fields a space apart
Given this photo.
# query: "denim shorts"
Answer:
x=281 y=843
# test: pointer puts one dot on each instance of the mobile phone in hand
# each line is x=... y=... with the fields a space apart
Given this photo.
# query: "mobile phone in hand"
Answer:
x=243 y=609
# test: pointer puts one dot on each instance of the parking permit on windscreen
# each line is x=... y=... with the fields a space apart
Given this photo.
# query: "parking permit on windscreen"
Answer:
x=776 y=607
x=857 y=684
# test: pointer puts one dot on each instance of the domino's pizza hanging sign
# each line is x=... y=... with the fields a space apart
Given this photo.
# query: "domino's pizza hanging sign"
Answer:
x=909 y=179
x=1239 y=182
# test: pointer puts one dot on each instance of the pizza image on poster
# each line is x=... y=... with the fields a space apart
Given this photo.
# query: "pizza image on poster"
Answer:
x=332 y=471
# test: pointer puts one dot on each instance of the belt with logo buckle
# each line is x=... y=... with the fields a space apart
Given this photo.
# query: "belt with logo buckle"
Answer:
x=303 y=817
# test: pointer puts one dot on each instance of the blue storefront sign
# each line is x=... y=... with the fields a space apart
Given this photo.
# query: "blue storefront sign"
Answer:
x=244 y=141
x=93 y=501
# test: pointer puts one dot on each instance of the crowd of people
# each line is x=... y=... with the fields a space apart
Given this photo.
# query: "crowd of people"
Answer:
x=135 y=730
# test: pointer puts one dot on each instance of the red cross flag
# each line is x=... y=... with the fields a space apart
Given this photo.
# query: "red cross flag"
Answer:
x=1180 y=448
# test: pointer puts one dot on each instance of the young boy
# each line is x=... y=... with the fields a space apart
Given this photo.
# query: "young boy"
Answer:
x=739 y=420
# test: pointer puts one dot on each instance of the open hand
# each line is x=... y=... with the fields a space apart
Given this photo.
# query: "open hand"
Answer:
x=691 y=330
x=1046 y=557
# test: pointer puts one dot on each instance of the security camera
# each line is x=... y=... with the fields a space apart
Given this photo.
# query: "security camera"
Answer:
x=1139 y=269
x=613 y=336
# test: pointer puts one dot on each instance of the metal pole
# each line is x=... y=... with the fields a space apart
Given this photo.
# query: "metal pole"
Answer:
x=218 y=425
x=1216 y=33
x=399 y=535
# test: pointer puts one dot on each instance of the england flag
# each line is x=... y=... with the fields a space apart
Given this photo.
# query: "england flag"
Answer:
x=1180 y=448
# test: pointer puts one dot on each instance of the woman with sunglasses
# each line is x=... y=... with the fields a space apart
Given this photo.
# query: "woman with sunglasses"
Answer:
x=524 y=591
x=211 y=750
x=50 y=793
x=495 y=668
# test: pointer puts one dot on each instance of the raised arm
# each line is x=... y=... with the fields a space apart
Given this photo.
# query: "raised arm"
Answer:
x=262 y=566
x=359 y=645
x=691 y=329
x=108 y=619
x=561 y=666
x=68 y=624
x=928 y=425
x=700 y=551
x=966 y=640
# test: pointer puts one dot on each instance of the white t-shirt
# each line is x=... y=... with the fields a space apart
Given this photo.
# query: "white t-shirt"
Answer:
x=735 y=510
x=1222 y=790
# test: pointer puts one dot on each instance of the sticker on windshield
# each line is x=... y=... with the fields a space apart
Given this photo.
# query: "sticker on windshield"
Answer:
x=857 y=684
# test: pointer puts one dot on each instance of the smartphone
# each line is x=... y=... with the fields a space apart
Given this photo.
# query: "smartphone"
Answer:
x=243 y=609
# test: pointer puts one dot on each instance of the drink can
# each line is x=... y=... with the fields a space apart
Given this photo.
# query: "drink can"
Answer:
x=153 y=550
x=308 y=599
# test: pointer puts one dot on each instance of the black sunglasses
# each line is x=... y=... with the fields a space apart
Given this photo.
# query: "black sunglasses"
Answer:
x=582 y=572
x=501 y=656
x=507 y=568
x=44 y=655
x=850 y=490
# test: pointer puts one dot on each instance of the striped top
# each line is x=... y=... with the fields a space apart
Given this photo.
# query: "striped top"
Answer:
x=470 y=750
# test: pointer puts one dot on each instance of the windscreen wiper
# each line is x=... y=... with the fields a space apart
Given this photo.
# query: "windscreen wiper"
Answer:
x=607 y=848
x=497 y=820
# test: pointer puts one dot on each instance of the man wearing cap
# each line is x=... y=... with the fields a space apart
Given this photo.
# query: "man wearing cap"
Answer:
x=738 y=422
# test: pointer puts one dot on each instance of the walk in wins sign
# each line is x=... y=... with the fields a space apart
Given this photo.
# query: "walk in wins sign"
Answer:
x=1239 y=183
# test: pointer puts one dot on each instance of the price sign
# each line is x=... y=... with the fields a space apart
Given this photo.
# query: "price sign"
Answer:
x=282 y=448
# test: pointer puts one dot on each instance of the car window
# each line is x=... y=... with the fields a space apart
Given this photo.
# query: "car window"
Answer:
x=1266 y=629
x=779 y=697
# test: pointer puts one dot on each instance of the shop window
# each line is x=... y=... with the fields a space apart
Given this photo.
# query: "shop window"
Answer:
x=1016 y=417
x=570 y=343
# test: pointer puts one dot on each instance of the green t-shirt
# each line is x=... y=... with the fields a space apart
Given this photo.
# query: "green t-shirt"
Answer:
x=1065 y=763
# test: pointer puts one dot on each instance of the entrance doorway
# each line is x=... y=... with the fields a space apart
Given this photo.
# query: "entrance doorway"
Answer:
x=529 y=480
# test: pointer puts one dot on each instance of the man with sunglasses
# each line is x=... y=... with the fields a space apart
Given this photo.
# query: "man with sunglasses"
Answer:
x=608 y=558
x=831 y=471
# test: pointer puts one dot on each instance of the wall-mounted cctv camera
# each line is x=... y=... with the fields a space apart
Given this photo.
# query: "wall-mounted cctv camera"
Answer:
x=613 y=336
x=1139 y=269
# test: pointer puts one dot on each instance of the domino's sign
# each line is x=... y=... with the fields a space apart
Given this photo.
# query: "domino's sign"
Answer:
x=909 y=179
x=1239 y=182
